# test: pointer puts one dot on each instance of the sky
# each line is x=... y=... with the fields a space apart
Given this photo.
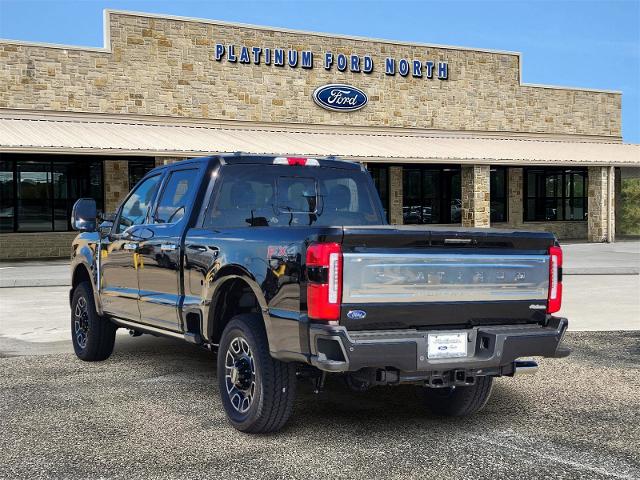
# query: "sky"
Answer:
x=577 y=43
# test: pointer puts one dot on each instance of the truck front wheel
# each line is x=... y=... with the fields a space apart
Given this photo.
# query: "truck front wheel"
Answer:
x=93 y=336
x=459 y=401
x=257 y=391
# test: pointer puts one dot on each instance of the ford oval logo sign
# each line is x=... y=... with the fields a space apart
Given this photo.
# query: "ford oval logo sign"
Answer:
x=356 y=314
x=340 y=98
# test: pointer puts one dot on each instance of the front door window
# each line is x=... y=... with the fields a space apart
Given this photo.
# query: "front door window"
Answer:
x=135 y=209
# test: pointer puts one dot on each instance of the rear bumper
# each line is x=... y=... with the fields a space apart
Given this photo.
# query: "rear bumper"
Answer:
x=334 y=349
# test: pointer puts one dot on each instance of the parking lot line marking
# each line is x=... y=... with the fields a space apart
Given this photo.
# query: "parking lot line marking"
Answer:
x=578 y=465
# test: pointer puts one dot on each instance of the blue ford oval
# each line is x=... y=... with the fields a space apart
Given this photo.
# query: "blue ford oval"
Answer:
x=356 y=314
x=340 y=98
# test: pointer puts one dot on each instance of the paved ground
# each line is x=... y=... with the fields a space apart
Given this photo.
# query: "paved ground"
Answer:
x=36 y=273
x=152 y=411
x=602 y=258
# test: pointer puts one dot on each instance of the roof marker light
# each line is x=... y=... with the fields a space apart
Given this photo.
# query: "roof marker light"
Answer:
x=296 y=161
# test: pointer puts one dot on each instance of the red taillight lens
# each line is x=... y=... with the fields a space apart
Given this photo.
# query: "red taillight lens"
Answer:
x=554 y=301
x=324 y=281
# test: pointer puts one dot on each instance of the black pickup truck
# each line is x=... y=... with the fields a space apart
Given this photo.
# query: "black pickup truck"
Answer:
x=287 y=268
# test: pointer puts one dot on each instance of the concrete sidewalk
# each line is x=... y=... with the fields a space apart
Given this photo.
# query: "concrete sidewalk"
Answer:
x=620 y=258
x=36 y=273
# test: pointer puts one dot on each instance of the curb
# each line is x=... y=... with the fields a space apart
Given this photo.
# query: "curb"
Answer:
x=601 y=271
x=33 y=283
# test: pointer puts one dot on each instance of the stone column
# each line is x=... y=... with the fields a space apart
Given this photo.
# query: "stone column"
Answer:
x=167 y=160
x=515 y=189
x=601 y=193
x=395 y=195
x=475 y=196
x=618 y=201
x=116 y=183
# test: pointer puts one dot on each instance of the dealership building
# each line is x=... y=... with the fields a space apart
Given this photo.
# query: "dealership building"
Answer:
x=450 y=135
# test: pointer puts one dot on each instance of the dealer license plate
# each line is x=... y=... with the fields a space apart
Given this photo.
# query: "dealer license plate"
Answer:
x=447 y=345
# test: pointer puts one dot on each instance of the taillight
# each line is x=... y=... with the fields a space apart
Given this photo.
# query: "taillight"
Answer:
x=324 y=281
x=554 y=301
x=296 y=161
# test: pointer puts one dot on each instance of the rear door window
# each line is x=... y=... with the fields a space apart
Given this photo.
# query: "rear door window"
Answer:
x=176 y=196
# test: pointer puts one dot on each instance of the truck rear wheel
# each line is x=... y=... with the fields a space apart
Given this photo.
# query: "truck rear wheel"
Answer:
x=93 y=336
x=257 y=391
x=459 y=401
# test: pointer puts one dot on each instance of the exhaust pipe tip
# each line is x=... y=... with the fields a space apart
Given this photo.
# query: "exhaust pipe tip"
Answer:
x=525 y=367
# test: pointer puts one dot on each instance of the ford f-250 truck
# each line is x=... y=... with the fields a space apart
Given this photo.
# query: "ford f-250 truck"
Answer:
x=287 y=268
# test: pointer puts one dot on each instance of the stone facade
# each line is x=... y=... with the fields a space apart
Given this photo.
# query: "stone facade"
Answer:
x=167 y=67
x=601 y=216
x=395 y=195
x=475 y=195
x=116 y=183
x=20 y=246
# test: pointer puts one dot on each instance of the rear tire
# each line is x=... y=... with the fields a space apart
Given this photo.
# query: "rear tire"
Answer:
x=93 y=336
x=256 y=390
x=459 y=401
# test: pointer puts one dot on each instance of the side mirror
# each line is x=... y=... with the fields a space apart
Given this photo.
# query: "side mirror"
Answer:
x=83 y=215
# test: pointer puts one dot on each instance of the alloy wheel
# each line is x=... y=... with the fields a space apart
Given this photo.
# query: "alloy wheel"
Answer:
x=240 y=374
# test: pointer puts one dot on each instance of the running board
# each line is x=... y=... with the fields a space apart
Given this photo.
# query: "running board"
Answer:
x=147 y=329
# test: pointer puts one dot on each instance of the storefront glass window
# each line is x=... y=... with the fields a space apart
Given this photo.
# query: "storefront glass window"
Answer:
x=37 y=192
x=34 y=197
x=555 y=194
x=7 y=197
x=380 y=175
x=138 y=169
x=498 y=188
x=431 y=195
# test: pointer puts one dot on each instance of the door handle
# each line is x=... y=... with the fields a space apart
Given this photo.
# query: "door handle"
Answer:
x=168 y=247
x=130 y=246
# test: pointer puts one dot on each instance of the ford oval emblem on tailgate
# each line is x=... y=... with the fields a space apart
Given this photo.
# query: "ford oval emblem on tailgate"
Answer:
x=356 y=314
x=340 y=98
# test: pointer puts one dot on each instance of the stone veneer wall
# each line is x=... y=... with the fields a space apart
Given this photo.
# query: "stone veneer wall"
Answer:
x=475 y=195
x=598 y=223
x=19 y=246
x=167 y=67
x=395 y=195
x=116 y=183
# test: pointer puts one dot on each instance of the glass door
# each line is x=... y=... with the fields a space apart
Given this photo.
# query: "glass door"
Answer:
x=34 y=197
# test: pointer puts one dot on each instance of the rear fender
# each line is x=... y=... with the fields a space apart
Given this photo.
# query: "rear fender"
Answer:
x=224 y=275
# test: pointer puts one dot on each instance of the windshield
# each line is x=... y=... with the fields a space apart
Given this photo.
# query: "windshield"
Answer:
x=275 y=195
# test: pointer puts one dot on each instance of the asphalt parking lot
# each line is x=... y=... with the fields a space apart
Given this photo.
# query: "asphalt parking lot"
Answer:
x=152 y=411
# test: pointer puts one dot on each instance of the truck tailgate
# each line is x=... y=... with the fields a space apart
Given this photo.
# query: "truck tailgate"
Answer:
x=442 y=278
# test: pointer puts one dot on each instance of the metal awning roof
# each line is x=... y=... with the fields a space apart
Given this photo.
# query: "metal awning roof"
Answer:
x=95 y=135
